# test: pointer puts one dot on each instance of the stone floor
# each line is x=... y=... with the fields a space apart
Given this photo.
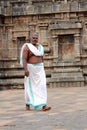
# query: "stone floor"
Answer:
x=69 y=110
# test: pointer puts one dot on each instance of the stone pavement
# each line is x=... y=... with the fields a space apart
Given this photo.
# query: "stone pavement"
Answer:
x=69 y=110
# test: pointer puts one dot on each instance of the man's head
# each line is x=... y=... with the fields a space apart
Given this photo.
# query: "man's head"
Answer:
x=34 y=38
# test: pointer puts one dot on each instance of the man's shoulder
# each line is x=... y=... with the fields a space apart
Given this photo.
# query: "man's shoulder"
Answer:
x=26 y=46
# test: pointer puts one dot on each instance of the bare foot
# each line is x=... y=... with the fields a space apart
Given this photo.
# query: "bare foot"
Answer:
x=46 y=108
x=27 y=107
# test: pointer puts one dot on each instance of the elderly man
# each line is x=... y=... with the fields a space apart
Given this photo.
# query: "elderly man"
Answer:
x=35 y=78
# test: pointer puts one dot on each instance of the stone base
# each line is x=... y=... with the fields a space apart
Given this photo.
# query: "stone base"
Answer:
x=66 y=84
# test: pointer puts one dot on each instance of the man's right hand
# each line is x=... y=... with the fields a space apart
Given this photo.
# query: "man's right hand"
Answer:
x=27 y=73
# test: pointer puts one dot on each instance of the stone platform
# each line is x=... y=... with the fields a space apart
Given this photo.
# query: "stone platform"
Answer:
x=69 y=110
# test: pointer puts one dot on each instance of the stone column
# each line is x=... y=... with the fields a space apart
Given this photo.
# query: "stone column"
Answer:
x=43 y=34
x=77 y=46
x=55 y=48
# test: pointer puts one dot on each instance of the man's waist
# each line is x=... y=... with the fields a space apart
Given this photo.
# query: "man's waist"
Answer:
x=36 y=64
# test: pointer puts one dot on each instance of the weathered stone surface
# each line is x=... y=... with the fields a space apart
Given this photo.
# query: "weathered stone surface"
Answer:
x=62 y=29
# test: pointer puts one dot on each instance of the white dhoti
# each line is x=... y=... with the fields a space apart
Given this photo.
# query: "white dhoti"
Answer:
x=35 y=86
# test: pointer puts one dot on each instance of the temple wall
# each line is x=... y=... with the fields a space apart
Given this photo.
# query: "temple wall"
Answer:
x=62 y=28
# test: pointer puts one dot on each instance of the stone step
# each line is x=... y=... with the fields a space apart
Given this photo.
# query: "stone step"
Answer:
x=16 y=65
x=66 y=84
x=10 y=66
x=11 y=82
x=14 y=83
x=66 y=75
x=66 y=64
x=69 y=70
x=67 y=79
x=12 y=73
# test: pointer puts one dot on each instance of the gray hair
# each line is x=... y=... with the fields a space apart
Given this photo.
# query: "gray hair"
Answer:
x=33 y=34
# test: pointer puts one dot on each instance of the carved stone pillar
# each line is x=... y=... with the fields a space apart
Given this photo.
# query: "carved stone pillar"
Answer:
x=77 y=46
x=43 y=33
x=55 y=48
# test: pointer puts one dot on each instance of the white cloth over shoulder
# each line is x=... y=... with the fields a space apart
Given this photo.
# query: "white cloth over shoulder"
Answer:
x=36 y=51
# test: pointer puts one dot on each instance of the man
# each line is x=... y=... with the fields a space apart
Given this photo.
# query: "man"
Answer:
x=35 y=79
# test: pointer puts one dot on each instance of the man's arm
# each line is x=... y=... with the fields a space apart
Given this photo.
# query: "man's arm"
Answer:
x=25 y=58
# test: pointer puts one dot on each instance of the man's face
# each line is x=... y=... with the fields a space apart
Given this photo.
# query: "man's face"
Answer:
x=34 y=39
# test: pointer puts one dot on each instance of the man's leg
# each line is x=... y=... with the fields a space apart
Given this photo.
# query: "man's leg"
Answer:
x=27 y=107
